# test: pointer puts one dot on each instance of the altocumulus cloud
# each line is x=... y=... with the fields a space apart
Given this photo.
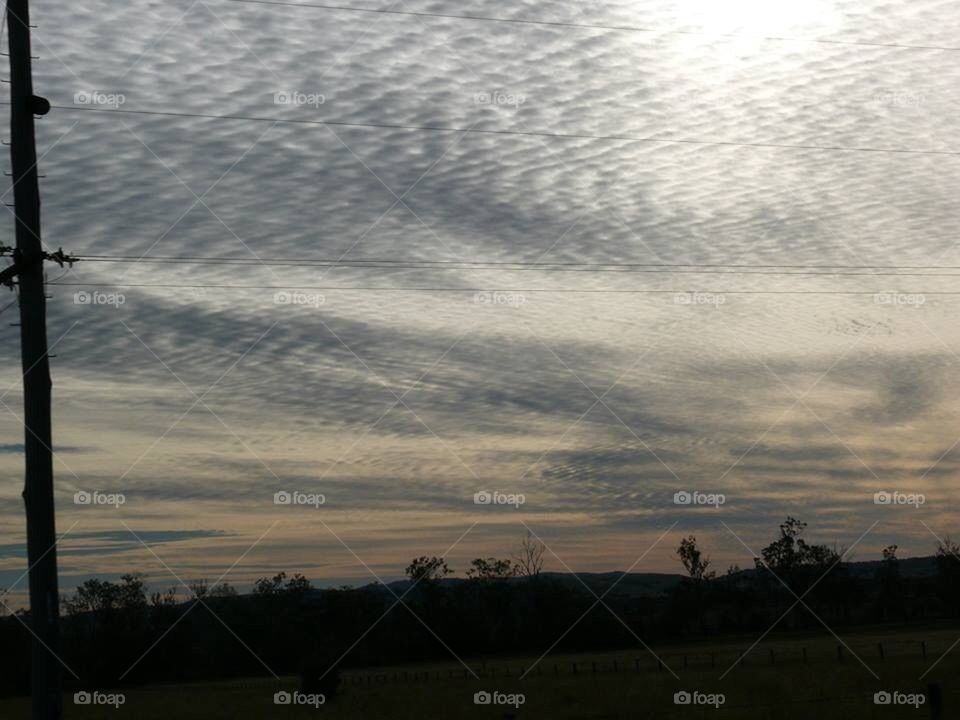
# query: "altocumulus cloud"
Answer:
x=414 y=400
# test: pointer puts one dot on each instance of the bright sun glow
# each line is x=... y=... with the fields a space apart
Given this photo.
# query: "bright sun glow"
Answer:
x=761 y=17
x=743 y=26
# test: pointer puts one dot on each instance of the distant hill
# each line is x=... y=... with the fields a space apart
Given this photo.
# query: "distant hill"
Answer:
x=915 y=567
x=631 y=585
x=658 y=584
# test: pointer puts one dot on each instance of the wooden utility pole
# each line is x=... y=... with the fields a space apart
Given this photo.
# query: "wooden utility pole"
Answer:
x=38 y=485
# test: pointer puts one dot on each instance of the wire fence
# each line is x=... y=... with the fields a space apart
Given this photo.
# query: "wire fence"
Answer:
x=720 y=660
x=936 y=703
x=702 y=661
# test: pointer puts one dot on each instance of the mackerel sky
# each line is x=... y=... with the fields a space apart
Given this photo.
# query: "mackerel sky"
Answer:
x=801 y=395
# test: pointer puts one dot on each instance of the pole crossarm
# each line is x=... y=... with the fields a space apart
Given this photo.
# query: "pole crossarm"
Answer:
x=21 y=262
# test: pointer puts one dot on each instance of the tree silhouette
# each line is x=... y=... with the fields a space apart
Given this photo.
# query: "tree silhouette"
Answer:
x=529 y=557
x=888 y=577
x=427 y=569
x=491 y=569
x=693 y=560
x=948 y=572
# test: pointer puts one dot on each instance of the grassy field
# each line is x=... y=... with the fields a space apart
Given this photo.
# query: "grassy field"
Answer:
x=605 y=686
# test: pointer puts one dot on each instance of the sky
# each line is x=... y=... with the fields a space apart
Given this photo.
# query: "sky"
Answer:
x=752 y=134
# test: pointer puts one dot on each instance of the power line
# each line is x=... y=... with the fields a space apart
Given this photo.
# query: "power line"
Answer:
x=205 y=259
x=515 y=133
x=550 y=291
x=596 y=26
x=531 y=267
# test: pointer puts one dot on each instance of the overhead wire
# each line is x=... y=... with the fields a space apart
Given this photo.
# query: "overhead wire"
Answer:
x=505 y=132
x=561 y=291
x=546 y=267
x=593 y=26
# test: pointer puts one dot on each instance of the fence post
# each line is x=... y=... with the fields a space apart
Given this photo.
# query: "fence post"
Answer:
x=839 y=653
x=636 y=664
x=923 y=648
x=935 y=700
x=713 y=660
x=684 y=662
x=880 y=649
x=772 y=660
